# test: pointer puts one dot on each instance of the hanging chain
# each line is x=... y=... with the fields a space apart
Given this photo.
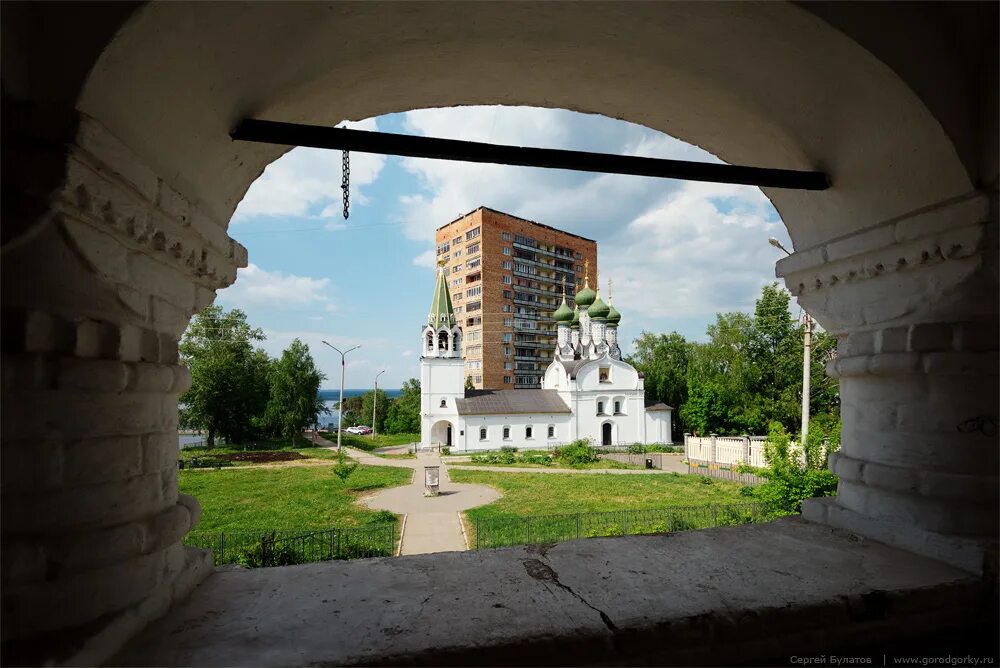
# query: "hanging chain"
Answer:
x=345 y=182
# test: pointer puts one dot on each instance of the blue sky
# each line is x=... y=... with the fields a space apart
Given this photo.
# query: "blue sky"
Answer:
x=678 y=252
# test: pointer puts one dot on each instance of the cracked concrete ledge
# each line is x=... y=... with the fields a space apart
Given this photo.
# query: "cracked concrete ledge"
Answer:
x=719 y=596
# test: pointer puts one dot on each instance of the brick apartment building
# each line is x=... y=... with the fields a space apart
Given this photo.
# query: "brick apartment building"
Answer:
x=505 y=275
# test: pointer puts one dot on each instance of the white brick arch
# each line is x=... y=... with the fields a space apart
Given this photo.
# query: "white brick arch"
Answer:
x=132 y=179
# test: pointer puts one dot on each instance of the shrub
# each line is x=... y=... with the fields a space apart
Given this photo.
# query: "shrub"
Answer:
x=578 y=453
x=746 y=490
x=446 y=450
x=637 y=449
x=705 y=480
x=542 y=458
x=788 y=483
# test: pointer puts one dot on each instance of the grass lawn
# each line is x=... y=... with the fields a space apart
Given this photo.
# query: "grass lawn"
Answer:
x=368 y=443
x=554 y=493
x=299 y=497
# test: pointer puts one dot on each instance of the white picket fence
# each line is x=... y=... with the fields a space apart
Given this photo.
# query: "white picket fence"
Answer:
x=730 y=450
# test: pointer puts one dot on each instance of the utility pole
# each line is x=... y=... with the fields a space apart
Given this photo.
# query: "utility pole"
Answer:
x=806 y=363
x=375 y=402
x=806 y=358
x=340 y=406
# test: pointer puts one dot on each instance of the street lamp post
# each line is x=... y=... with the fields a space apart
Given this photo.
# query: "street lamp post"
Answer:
x=806 y=357
x=375 y=402
x=340 y=405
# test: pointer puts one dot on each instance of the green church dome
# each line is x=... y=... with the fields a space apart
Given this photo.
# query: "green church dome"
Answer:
x=575 y=322
x=562 y=314
x=598 y=309
x=614 y=317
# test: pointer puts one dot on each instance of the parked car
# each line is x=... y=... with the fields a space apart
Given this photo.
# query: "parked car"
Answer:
x=359 y=430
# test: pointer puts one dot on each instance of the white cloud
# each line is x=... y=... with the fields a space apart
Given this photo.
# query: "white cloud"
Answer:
x=674 y=248
x=307 y=178
x=407 y=353
x=426 y=259
x=257 y=287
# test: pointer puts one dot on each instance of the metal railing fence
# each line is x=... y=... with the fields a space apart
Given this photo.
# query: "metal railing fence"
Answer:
x=256 y=549
x=499 y=532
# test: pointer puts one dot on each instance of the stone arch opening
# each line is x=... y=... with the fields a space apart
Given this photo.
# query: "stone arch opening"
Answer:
x=137 y=179
x=442 y=434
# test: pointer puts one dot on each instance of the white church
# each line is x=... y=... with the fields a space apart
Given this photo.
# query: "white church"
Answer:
x=588 y=391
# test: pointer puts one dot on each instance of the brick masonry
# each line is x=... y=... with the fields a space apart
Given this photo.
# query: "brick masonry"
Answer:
x=484 y=341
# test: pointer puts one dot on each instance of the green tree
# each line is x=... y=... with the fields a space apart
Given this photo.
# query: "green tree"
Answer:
x=381 y=408
x=294 y=401
x=469 y=385
x=229 y=376
x=403 y=415
x=663 y=359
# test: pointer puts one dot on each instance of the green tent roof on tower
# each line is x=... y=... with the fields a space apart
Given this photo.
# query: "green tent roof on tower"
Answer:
x=441 y=313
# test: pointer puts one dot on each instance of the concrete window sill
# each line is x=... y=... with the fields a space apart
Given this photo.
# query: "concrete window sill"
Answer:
x=719 y=596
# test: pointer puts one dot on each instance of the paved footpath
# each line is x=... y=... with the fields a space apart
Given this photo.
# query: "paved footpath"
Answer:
x=433 y=524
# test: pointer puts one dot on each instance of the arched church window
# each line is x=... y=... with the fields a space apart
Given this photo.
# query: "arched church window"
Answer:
x=444 y=403
x=618 y=407
x=482 y=433
x=430 y=341
x=600 y=408
x=443 y=341
x=506 y=433
x=528 y=431
x=552 y=431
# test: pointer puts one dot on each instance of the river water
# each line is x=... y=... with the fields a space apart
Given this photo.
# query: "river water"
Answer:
x=328 y=419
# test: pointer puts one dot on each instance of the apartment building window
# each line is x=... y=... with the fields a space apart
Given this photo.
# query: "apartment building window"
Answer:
x=472 y=264
x=456 y=240
x=474 y=248
x=472 y=337
x=482 y=433
x=507 y=294
x=474 y=350
x=506 y=280
x=579 y=256
x=552 y=431
x=458 y=309
x=507 y=322
x=506 y=236
x=506 y=265
x=474 y=365
x=456 y=282
x=506 y=380
x=478 y=379
x=506 y=351
x=474 y=292
x=506 y=250
x=506 y=433
x=443 y=248
x=456 y=296
x=507 y=337
x=472 y=278
x=472 y=234
x=472 y=322
x=506 y=308
x=579 y=267
x=528 y=432
x=456 y=269
x=458 y=251
x=507 y=366
x=523 y=268
x=445 y=258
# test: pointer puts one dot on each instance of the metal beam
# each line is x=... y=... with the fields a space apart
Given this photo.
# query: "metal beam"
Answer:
x=385 y=143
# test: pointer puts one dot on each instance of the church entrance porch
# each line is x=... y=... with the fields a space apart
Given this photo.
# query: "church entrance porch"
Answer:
x=441 y=434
